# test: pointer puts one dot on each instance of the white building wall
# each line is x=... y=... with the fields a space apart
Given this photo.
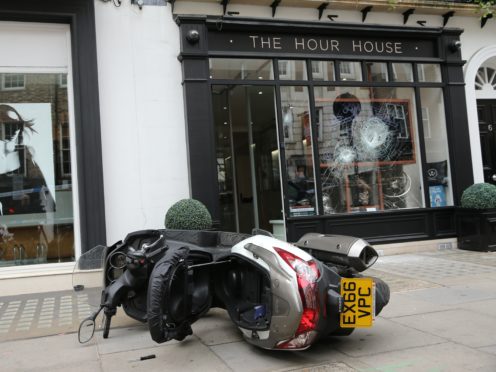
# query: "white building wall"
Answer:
x=142 y=116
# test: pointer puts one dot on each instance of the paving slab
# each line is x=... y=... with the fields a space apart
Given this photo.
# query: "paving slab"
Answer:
x=61 y=352
x=386 y=335
x=461 y=326
x=480 y=258
x=402 y=304
x=446 y=357
x=489 y=349
x=188 y=355
x=126 y=339
x=455 y=295
x=430 y=268
x=48 y=313
x=484 y=307
x=325 y=367
x=241 y=356
x=216 y=328
x=400 y=283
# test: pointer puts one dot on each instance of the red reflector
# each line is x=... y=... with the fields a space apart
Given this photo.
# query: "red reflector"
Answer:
x=307 y=274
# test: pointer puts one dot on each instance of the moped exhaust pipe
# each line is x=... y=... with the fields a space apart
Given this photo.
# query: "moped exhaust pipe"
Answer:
x=339 y=250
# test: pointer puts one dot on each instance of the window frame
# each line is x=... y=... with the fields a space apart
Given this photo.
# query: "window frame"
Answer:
x=4 y=88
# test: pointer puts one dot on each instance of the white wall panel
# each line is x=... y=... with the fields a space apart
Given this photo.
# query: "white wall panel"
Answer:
x=142 y=116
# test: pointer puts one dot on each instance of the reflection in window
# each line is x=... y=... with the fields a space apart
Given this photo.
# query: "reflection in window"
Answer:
x=350 y=71
x=429 y=72
x=35 y=180
x=436 y=147
x=402 y=72
x=292 y=70
x=485 y=79
x=241 y=69
x=368 y=149
x=298 y=151
x=377 y=71
x=64 y=149
x=323 y=70
x=12 y=81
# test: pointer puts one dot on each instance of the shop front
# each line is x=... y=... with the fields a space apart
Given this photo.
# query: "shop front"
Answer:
x=51 y=187
x=331 y=128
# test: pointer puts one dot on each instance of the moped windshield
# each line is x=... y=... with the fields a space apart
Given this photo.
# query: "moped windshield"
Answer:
x=87 y=277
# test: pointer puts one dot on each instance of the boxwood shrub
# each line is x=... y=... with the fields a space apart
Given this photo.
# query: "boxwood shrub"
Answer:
x=479 y=196
x=188 y=214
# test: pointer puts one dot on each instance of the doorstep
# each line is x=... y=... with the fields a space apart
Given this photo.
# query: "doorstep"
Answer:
x=19 y=280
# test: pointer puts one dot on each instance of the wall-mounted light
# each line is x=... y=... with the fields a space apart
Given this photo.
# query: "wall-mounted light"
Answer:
x=455 y=46
x=193 y=36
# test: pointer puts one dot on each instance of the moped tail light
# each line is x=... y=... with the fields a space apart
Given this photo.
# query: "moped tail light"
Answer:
x=307 y=274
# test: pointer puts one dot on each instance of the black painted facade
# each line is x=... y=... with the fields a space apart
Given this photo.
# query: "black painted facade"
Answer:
x=203 y=37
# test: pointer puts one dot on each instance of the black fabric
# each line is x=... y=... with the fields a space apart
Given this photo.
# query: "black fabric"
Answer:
x=382 y=295
x=201 y=238
x=437 y=172
x=161 y=325
x=205 y=238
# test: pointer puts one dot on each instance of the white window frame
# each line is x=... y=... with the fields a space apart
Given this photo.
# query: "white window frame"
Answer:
x=61 y=81
x=16 y=87
x=287 y=68
x=351 y=74
x=319 y=73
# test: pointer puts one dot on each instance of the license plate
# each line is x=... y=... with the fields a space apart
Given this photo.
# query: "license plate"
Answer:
x=358 y=302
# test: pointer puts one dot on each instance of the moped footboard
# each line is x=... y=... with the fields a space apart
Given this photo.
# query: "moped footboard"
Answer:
x=340 y=250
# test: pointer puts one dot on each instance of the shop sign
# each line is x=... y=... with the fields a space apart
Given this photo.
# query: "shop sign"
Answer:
x=341 y=45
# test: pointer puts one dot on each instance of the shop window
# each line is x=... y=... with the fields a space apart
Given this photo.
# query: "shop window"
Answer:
x=298 y=152
x=368 y=155
x=241 y=69
x=402 y=72
x=350 y=71
x=429 y=73
x=323 y=71
x=13 y=81
x=35 y=183
x=377 y=71
x=436 y=147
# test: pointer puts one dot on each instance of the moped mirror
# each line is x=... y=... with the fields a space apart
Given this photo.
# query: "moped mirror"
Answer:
x=86 y=330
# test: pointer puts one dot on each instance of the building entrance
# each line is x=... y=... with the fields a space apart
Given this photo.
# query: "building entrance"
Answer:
x=247 y=156
x=487 y=128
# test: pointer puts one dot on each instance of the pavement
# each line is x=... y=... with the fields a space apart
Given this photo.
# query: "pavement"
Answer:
x=441 y=317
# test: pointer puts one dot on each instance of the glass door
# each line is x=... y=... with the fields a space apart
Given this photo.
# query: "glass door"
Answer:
x=247 y=157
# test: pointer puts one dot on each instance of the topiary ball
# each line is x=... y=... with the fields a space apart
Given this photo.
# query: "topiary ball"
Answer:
x=479 y=196
x=188 y=214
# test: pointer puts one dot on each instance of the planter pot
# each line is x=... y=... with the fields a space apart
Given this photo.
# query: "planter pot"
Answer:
x=476 y=229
